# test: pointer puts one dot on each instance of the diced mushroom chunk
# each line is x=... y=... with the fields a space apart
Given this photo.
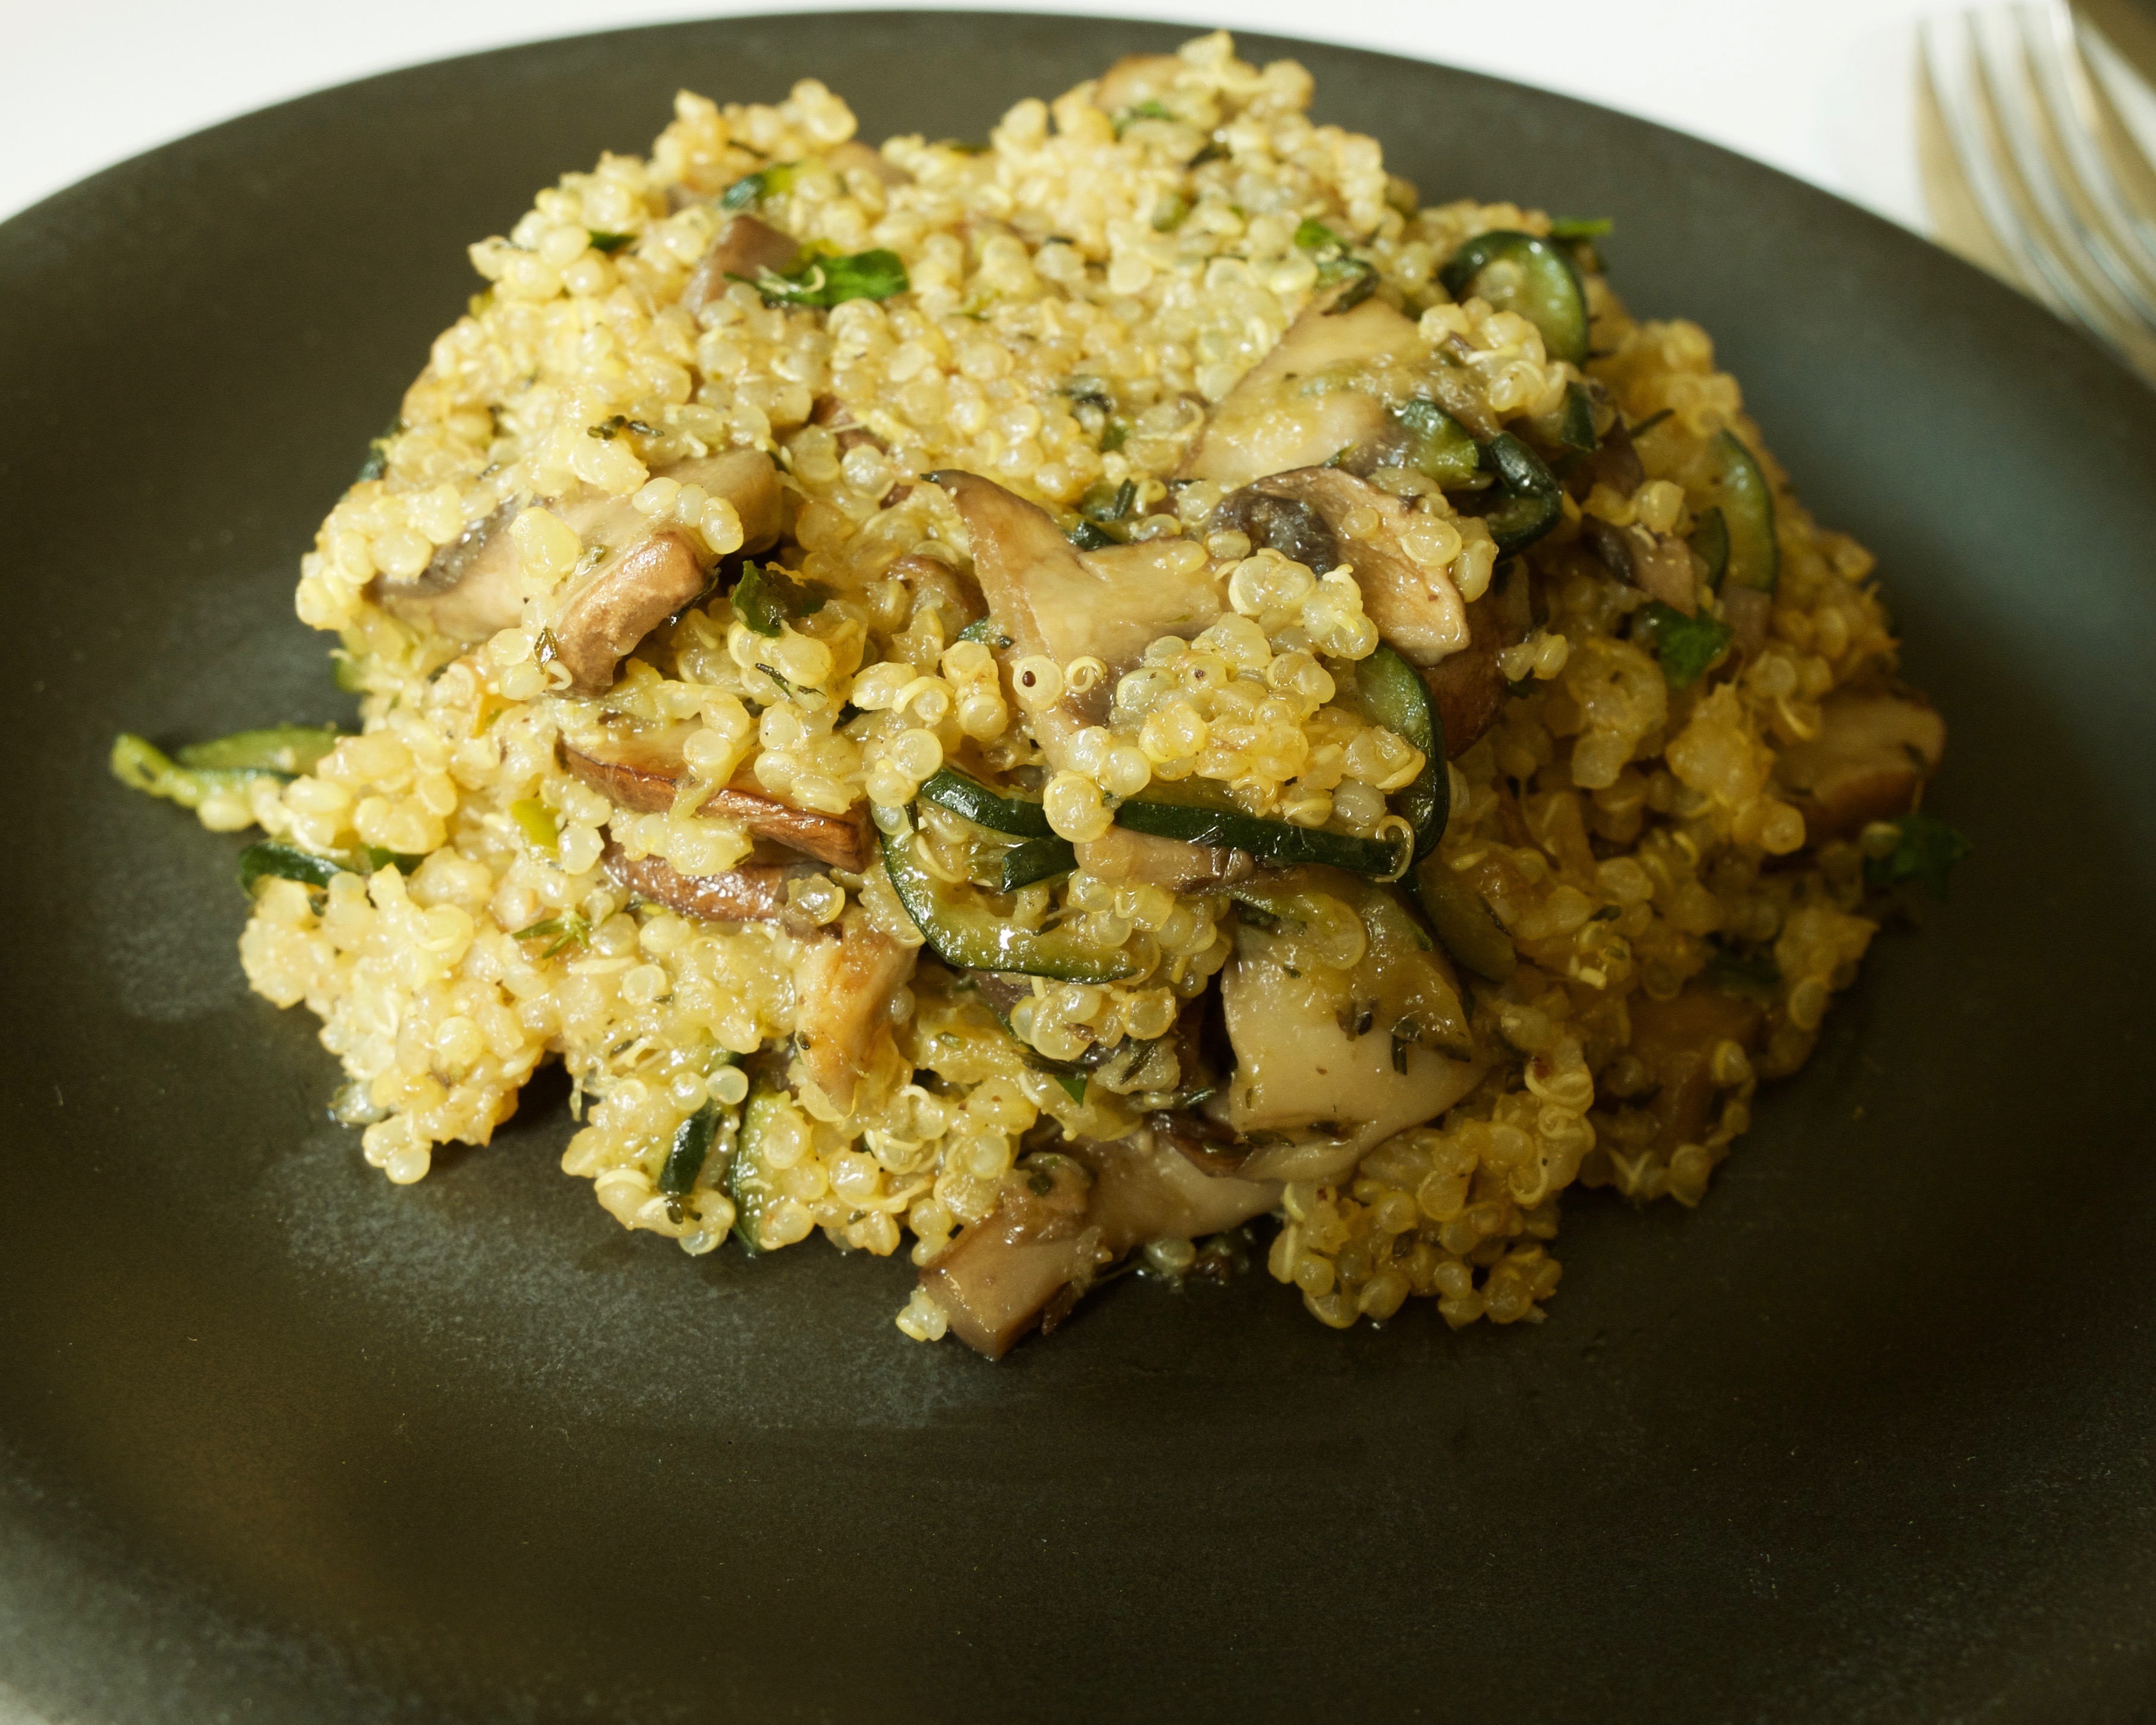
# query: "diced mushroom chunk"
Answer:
x=630 y=596
x=842 y=982
x=744 y=247
x=1469 y=687
x=1872 y=756
x=645 y=771
x=1676 y=1039
x=469 y=590
x=993 y=1279
x=1280 y=415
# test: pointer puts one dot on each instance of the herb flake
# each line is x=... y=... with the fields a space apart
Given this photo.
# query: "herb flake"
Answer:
x=767 y=598
x=1927 y=853
x=1686 y=645
x=822 y=282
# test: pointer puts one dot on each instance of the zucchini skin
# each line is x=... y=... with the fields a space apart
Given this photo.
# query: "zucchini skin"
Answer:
x=1463 y=924
x=1747 y=503
x=948 y=789
x=967 y=936
x=1529 y=499
x=1273 y=841
x=748 y=1182
x=691 y=1145
x=1551 y=297
x=1394 y=694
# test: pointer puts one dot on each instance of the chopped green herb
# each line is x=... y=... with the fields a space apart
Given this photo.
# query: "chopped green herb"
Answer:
x=603 y=241
x=1312 y=235
x=1113 y=436
x=1686 y=645
x=1336 y=263
x=607 y=430
x=1104 y=509
x=751 y=189
x=1580 y=227
x=536 y=822
x=1755 y=976
x=767 y=598
x=986 y=629
x=378 y=450
x=691 y=1145
x=287 y=862
x=821 y=282
x=1084 y=390
x=1928 y=851
x=561 y=931
x=1649 y=424
x=1215 y=150
x=1136 y=111
x=1089 y=536
x=1073 y=1085
x=1357 y=290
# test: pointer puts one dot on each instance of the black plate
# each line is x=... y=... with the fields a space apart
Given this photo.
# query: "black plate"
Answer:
x=1867 y=1436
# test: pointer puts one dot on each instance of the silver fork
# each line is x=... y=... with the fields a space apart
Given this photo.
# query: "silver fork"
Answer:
x=2031 y=169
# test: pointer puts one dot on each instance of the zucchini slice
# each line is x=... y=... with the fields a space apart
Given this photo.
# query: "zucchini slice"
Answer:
x=1392 y=694
x=1436 y=445
x=953 y=790
x=1518 y=272
x=1710 y=538
x=1527 y=501
x=749 y=1182
x=1032 y=860
x=1462 y=922
x=1747 y=503
x=967 y=935
x=1273 y=841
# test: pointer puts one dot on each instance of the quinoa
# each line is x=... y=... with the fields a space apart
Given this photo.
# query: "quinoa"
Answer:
x=1668 y=909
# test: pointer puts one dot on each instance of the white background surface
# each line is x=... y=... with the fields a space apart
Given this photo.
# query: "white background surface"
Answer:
x=1819 y=88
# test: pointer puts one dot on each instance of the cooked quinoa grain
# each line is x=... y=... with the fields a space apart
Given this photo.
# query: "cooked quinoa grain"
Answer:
x=1028 y=705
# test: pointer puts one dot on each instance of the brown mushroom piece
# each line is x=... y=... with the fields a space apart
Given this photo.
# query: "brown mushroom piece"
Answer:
x=646 y=770
x=1470 y=687
x=1871 y=758
x=1330 y=1093
x=1675 y=1040
x=1658 y=564
x=1060 y=1219
x=842 y=983
x=854 y=156
x=1418 y=610
x=469 y=591
x=1296 y=407
x=744 y=247
x=754 y=893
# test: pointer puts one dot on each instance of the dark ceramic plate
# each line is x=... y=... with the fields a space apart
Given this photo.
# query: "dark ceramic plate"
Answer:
x=1867 y=1436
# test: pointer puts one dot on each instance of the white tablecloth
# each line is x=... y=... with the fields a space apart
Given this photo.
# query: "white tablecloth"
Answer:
x=1819 y=88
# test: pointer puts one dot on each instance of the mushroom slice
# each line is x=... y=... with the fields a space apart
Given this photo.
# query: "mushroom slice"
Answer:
x=744 y=247
x=1299 y=1072
x=630 y=595
x=1297 y=407
x=1658 y=565
x=1417 y=609
x=1872 y=756
x=469 y=591
x=1109 y=604
x=645 y=771
x=1676 y=1039
x=755 y=892
x=1142 y=859
x=1060 y=1219
x=1469 y=687
x=842 y=983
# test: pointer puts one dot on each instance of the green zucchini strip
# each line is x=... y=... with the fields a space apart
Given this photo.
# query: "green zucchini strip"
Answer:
x=967 y=934
x=1394 y=695
x=1518 y=272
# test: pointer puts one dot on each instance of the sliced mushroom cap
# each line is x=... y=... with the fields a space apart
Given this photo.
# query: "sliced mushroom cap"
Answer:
x=755 y=892
x=1658 y=564
x=1872 y=756
x=744 y=247
x=1470 y=687
x=1296 y=407
x=631 y=595
x=1301 y=1072
x=1143 y=859
x=469 y=591
x=1110 y=604
x=646 y=770
x=1416 y=608
x=842 y=983
x=1059 y=1218
x=855 y=156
